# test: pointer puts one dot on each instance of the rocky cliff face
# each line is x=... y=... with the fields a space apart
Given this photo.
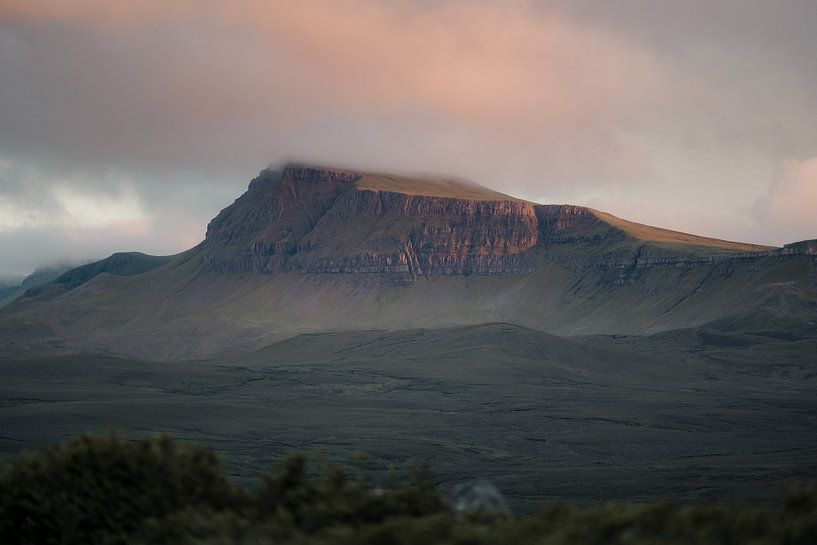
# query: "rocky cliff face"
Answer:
x=314 y=220
x=804 y=247
x=262 y=229
x=318 y=221
x=376 y=231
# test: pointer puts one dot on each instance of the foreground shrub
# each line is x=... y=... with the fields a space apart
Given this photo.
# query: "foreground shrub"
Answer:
x=104 y=490
x=293 y=507
x=100 y=489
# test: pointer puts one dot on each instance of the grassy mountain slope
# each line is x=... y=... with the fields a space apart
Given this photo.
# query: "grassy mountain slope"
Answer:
x=675 y=239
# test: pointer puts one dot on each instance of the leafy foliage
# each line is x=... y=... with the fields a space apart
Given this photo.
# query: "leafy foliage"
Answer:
x=105 y=490
x=100 y=489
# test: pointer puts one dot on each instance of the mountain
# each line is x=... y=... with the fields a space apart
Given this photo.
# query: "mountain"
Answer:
x=8 y=285
x=40 y=276
x=118 y=264
x=327 y=221
x=318 y=249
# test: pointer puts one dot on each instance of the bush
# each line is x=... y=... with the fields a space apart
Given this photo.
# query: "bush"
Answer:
x=101 y=489
x=104 y=490
x=292 y=506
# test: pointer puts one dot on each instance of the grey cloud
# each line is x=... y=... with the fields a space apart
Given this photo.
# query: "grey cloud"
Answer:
x=187 y=112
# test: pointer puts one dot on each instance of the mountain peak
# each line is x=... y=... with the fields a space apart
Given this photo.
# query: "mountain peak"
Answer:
x=317 y=219
x=301 y=173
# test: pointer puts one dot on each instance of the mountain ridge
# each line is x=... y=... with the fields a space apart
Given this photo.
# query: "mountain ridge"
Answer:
x=309 y=250
x=293 y=219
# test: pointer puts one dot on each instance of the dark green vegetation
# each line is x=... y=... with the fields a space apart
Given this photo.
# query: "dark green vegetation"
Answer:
x=699 y=415
x=106 y=491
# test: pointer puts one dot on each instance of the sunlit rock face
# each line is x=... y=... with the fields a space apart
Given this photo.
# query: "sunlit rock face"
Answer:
x=262 y=229
x=319 y=221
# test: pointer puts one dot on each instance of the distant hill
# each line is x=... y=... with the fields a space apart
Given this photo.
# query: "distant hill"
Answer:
x=39 y=277
x=8 y=285
x=310 y=249
x=118 y=264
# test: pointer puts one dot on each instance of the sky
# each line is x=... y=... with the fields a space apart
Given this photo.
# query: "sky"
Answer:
x=128 y=125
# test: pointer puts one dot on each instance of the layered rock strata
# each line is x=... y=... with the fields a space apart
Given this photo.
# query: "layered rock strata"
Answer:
x=318 y=221
x=314 y=220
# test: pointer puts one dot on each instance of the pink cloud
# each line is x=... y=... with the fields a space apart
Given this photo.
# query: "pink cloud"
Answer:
x=498 y=68
x=488 y=63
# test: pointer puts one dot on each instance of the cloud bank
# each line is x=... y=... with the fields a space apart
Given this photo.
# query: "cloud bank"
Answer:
x=132 y=123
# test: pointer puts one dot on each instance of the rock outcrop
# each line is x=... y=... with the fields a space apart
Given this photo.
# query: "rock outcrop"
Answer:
x=317 y=220
x=262 y=229
x=804 y=247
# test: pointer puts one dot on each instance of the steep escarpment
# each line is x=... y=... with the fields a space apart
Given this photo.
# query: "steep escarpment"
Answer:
x=317 y=221
x=323 y=221
x=417 y=235
x=262 y=228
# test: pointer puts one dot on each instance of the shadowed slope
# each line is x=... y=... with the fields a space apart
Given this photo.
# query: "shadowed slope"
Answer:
x=39 y=277
x=118 y=264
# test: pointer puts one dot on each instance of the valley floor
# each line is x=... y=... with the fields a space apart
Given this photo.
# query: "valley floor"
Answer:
x=689 y=414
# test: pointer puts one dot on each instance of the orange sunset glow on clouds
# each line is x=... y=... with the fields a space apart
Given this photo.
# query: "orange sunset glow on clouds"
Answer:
x=127 y=125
